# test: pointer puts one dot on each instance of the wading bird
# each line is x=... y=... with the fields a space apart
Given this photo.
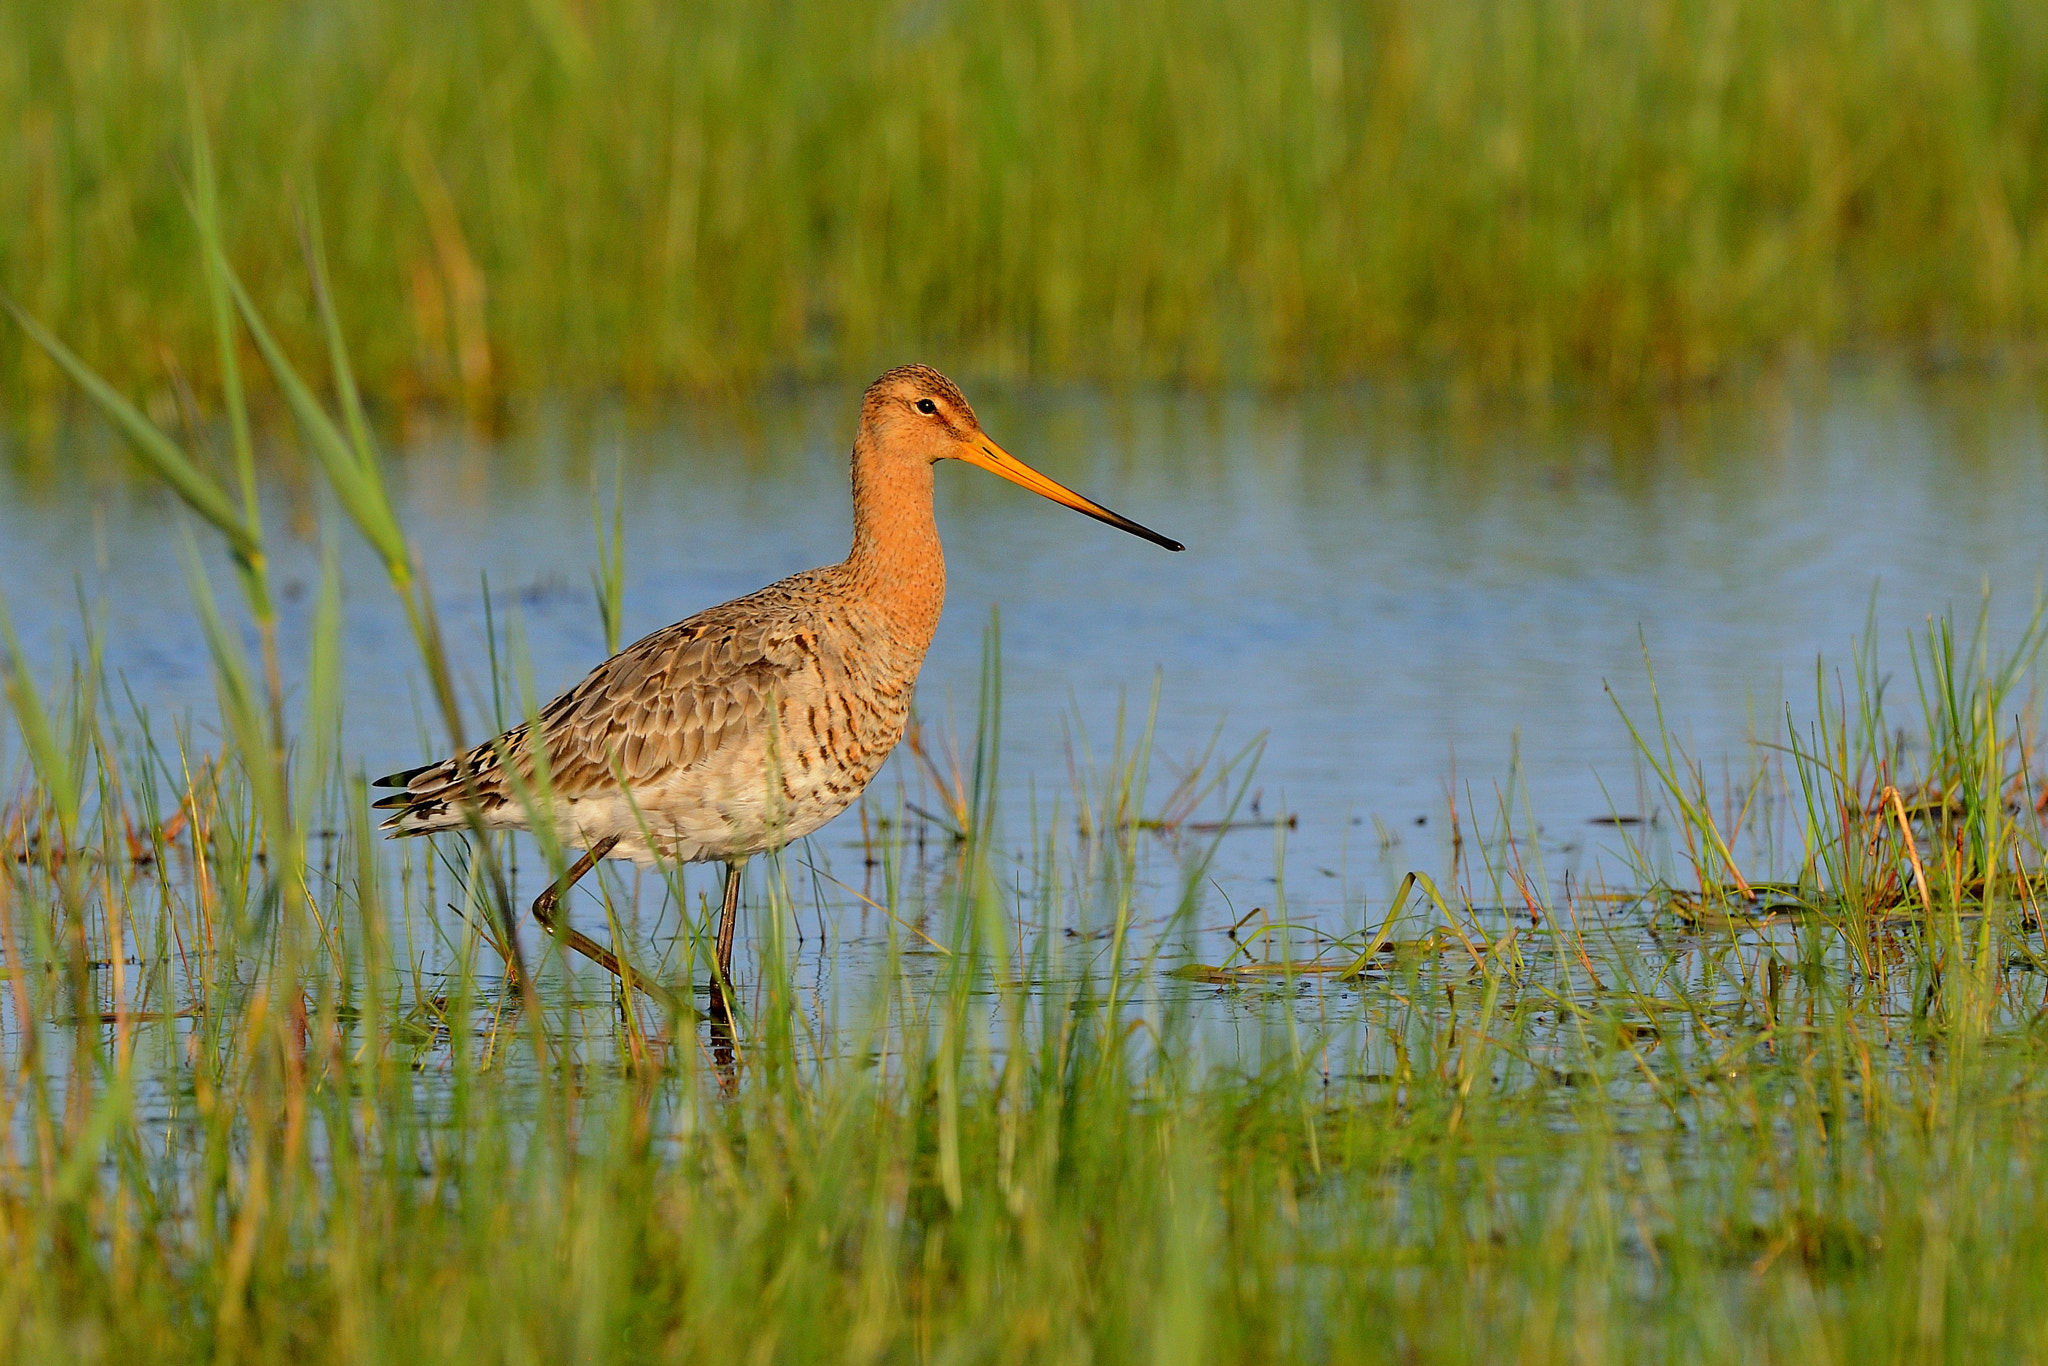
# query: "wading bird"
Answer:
x=751 y=724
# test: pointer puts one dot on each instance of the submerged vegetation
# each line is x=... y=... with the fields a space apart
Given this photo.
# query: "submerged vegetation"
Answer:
x=273 y=1089
x=558 y=195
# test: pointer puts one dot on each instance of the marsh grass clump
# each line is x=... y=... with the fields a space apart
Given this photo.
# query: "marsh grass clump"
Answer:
x=273 y=1089
x=1928 y=829
x=558 y=196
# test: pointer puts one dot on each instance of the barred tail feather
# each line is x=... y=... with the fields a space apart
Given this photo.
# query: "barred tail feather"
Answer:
x=425 y=818
x=430 y=798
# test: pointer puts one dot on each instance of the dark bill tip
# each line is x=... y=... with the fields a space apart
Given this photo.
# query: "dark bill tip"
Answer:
x=1123 y=523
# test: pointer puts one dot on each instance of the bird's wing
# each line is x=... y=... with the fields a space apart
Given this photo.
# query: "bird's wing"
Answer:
x=661 y=705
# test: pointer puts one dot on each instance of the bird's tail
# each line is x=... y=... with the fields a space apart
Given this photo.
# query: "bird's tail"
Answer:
x=434 y=796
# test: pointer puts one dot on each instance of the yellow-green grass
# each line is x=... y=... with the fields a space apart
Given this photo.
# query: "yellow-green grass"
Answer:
x=649 y=196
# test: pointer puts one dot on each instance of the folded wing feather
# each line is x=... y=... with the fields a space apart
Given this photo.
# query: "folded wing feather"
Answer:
x=664 y=704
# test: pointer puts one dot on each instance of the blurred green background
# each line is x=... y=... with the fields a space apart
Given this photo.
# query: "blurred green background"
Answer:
x=573 y=196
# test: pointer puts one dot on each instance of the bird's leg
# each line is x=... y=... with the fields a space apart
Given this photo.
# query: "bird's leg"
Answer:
x=728 y=920
x=722 y=1050
x=547 y=903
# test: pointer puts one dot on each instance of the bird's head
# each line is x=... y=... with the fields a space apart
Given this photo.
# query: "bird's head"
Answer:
x=915 y=413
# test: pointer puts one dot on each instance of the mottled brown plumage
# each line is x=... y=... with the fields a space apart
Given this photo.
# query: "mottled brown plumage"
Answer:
x=754 y=722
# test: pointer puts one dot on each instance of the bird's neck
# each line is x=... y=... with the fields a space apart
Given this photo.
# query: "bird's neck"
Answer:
x=896 y=554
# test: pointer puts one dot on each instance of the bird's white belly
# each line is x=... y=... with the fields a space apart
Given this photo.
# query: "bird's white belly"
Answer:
x=702 y=813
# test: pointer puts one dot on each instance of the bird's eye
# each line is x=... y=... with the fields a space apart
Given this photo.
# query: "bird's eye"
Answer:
x=925 y=405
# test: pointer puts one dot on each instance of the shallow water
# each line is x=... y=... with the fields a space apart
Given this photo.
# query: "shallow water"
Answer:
x=1410 y=605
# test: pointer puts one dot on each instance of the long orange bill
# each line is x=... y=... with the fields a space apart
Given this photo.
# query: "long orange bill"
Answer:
x=993 y=458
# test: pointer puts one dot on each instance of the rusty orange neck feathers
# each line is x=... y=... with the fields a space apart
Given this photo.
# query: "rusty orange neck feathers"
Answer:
x=896 y=553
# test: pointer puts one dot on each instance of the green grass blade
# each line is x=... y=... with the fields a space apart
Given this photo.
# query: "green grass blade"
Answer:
x=322 y=732
x=240 y=702
x=356 y=483
x=337 y=347
x=52 y=762
x=206 y=210
x=156 y=450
